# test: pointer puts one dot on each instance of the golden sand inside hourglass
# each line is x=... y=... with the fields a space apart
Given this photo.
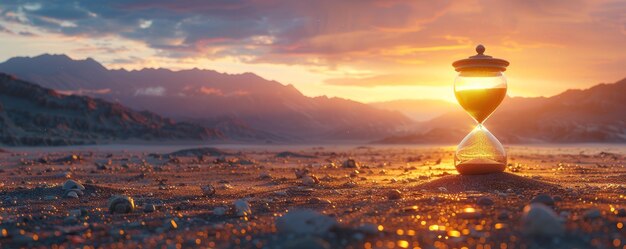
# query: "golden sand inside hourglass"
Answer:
x=480 y=103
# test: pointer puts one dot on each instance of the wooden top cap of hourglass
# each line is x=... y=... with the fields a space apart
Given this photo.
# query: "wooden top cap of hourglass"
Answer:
x=481 y=62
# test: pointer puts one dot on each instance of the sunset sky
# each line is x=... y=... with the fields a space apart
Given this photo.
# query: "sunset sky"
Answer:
x=361 y=50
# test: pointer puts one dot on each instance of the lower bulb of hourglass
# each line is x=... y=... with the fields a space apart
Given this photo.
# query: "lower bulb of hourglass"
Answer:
x=480 y=153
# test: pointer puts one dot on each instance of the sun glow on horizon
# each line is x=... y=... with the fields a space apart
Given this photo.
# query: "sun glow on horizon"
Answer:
x=362 y=58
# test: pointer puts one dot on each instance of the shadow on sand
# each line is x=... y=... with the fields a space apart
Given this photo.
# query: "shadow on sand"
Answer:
x=485 y=183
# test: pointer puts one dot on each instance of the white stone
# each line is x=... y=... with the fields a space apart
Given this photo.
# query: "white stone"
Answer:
x=242 y=208
x=305 y=222
x=540 y=220
x=71 y=184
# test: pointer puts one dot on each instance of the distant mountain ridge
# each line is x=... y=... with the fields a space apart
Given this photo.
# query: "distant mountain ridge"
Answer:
x=262 y=106
x=31 y=115
x=417 y=109
x=596 y=114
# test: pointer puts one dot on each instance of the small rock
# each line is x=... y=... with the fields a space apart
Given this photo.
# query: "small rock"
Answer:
x=310 y=180
x=149 y=208
x=49 y=198
x=484 y=201
x=349 y=184
x=351 y=163
x=219 y=211
x=544 y=199
x=225 y=186
x=593 y=213
x=301 y=173
x=265 y=176
x=394 y=194
x=316 y=200
x=540 y=220
x=76 y=213
x=242 y=208
x=353 y=174
x=71 y=185
x=442 y=189
x=71 y=194
x=208 y=190
x=305 y=222
x=121 y=204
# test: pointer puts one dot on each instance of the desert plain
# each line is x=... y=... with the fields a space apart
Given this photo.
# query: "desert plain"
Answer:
x=550 y=196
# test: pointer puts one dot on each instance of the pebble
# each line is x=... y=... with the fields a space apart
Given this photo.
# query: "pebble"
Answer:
x=394 y=194
x=219 y=211
x=49 y=198
x=484 y=201
x=349 y=184
x=540 y=220
x=208 y=190
x=355 y=173
x=225 y=186
x=71 y=185
x=593 y=213
x=265 y=176
x=121 y=204
x=310 y=180
x=71 y=194
x=242 y=208
x=305 y=222
x=316 y=200
x=544 y=199
x=351 y=163
x=149 y=208
x=301 y=173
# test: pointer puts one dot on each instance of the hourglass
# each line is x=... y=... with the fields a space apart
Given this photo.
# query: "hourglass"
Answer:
x=480 y=87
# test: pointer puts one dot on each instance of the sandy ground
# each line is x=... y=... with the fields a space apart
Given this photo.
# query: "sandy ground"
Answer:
x=394 y=197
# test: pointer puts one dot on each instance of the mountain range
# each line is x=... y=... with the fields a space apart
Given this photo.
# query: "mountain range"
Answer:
x=418 y=109
x=596 y=114
x=31 y=115
x=242 y=106
x=248 y=108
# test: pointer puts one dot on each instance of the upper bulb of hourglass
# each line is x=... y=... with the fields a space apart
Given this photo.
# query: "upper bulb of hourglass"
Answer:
x=480 y=92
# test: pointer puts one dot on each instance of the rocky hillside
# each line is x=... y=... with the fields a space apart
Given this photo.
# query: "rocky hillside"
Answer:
x=257 y=104
x=31 y=115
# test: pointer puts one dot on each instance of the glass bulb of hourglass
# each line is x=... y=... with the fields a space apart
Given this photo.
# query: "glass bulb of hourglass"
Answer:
x=480 y=93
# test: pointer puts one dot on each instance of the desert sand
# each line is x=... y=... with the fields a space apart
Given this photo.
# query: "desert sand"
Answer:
x=310 y=197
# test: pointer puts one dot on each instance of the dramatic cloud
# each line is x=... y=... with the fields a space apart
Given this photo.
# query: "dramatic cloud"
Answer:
x=395 y=42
